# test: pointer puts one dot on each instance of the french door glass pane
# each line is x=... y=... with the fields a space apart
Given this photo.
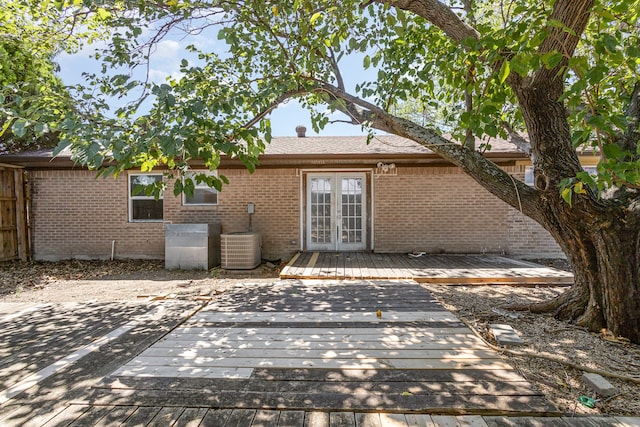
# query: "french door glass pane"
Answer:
x=351 y=207
x=321 y=210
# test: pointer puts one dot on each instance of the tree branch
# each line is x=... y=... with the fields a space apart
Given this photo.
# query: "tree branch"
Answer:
x=336 y=69
x=439 y=15
x=486 y=173
x=516 y=139
x=574 y=15
x=273 y=105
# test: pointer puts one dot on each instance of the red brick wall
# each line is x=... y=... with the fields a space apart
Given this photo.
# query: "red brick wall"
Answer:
x=441 y=209
x=276 y=197
x=527 y=238
x=75 y=215
x=436 y=210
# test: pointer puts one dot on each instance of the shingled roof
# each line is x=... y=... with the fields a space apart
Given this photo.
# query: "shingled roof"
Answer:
x=379 y=144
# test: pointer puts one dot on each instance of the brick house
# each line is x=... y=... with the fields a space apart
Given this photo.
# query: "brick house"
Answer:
x=395 y=196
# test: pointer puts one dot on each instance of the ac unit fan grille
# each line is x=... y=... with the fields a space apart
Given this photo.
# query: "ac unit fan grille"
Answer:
x=240 y=251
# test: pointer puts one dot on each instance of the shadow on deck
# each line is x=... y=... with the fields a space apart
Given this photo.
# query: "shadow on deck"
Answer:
x=428 y=268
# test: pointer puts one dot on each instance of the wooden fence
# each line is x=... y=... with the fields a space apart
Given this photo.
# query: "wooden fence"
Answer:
x=14 y=240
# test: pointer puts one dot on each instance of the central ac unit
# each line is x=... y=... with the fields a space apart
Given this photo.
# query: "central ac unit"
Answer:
x=240 y=251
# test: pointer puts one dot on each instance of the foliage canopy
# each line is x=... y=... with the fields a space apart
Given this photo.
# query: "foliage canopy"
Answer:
x=556 y=77
x=279 y=50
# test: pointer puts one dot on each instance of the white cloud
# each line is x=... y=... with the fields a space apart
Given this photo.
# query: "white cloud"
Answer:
x=161 y=76
x=158 y=76
x=167 y=50
x=165 y=61
x=205 y=42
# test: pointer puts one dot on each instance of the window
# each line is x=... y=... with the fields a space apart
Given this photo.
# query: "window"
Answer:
x=528 y=173
x=203 y=194
x=143 y=208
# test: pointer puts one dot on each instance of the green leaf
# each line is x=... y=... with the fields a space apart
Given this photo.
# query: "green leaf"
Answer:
x=19 y=128
x=551 y=59
x=612 y=151
x=488 y=110
x=315 y=17
x=505 y=69
x=610 y=42
x=518 y=65
x=587 y=179
x=38 y=129
x=5 y=126
x=566 y=195
x=62 y=145
x=177 y=187
x=170 y=100
x=103 y=13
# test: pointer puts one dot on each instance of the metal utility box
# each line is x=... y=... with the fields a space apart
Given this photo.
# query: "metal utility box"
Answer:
x=191 y=246
x=240 y=251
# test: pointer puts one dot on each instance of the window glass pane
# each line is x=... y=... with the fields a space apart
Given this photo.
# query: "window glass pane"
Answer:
x=202 y=196
x=528 y=175
x=142 y=180
x=146 y=210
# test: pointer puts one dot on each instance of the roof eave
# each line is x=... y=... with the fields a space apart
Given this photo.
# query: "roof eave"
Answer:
x=289 y=160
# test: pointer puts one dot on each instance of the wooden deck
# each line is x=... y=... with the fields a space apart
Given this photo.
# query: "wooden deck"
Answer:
x=322 y=347
x=322 y=323
x=85 y=415
x=451 y=269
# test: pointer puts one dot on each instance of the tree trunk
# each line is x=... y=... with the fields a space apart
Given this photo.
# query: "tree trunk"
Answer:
x=600 y=237
x=604 y=252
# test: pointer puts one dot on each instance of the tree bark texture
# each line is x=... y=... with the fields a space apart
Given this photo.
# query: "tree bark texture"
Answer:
x=603 y=248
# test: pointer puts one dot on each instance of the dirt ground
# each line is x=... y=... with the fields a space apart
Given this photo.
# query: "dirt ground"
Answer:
x=80 y=280
x=478 y=306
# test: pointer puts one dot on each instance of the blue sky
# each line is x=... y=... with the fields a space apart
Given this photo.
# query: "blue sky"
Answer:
x=166 y=60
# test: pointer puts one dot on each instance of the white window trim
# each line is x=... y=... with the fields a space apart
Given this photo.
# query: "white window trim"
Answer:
x=201 y=186
x=131 y=198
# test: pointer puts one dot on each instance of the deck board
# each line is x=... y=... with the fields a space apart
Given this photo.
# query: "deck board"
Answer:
x=442 y=403
x=321 y=346
x=191 y=417
x=206 y=417
x=429 y=268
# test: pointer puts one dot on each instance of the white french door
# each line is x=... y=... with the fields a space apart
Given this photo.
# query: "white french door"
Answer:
x=336 y=211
